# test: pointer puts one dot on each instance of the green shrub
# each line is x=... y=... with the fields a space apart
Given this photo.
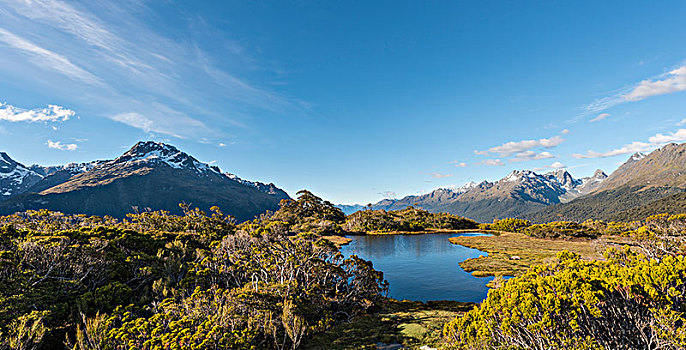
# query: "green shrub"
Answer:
x=409 y=219
x=625 y=302
x=510 y=225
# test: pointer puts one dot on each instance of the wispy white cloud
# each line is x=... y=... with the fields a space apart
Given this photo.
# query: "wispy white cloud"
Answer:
x=134 y=65
x=673 y=81
x=558 y=165
x=633 y=147
x=389 y=194
x=599 y=117
x=677 y=136
x=681 y=122
x=637 y=146
x=440 y=176
x=62 y=147
x=564 y=132
x=531 y=155
x=670 y=82
x=135 y=120
x=52 y=113
x=163 y=120
x=554 y=166
x=48 y=59
x=509 y=148
x=495 y=162
x=83 y=26
x=458 y=164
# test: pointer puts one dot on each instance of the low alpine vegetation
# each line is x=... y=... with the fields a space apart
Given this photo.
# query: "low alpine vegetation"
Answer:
x=161 y=281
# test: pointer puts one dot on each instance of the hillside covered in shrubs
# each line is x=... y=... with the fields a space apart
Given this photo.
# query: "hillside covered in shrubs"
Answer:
x=410 y=219
x=632 y=299
x=161 y=281
x=202 y=281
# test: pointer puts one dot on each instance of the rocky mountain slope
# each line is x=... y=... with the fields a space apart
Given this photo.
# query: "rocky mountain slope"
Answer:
x=643 y=185
x=15 y=178
x=149 y=175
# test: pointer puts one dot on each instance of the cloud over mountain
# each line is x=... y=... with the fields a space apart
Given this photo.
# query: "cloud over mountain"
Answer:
x=637 y=146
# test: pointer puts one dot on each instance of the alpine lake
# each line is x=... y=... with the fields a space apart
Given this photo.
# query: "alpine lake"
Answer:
x=422 y=267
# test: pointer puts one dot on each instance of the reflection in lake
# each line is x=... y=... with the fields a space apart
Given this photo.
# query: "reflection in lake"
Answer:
x=421 y=267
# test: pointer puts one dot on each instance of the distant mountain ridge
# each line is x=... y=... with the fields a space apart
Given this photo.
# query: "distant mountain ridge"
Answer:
x=644 y=185
x=149 y=175
x=516 y=194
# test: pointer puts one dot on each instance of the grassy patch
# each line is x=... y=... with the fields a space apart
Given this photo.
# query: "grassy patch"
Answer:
x=409 y=323
x=531 y=251
x=338 y=240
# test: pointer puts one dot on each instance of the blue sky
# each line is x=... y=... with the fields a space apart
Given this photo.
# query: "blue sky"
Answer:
x=355 y=101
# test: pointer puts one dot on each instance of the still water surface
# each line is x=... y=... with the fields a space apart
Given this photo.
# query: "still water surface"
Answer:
x=421 y=267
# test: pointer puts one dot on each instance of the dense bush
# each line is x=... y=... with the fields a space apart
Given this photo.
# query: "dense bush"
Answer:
x=308 y=213
x=252 y=292
x=160 y=281
x=409 y=219
x=625 y=302
x=560 y=229
x=508 y=224
x=84 y=270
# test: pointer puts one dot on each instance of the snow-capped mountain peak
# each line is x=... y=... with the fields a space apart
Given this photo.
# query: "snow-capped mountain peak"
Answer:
x=460 y=189
x=14 y=177
x=150 y=152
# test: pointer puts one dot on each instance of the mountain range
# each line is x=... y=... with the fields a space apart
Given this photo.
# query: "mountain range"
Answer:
x=642 y=186
x=150 y=175
x=157 y=176
x=517 y=194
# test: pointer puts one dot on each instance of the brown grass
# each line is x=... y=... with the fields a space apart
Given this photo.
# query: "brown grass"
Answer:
x=338 y=240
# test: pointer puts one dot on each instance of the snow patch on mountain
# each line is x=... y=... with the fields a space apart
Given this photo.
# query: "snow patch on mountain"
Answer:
x=638 y=156
x=150 y=152
x=266 y=188
x=15 y=178
x=72 y=168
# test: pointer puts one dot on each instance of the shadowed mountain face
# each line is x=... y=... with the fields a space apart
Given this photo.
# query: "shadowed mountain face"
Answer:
x=149 y=175
x=644 y=185
x=519 y=193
